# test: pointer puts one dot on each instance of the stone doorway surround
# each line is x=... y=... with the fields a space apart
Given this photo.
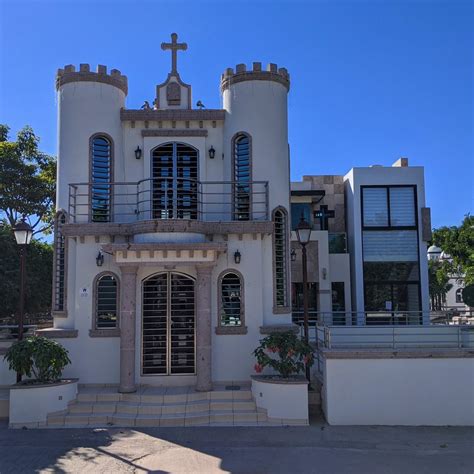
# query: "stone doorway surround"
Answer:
x=129 y=257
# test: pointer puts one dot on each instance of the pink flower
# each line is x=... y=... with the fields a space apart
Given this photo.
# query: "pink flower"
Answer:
x=307 y=358
x=291 y=353
x=272 y=349
x=258 y=368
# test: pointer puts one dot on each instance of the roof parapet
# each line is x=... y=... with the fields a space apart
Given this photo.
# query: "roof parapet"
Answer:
x=272 y=73
x=69 y=74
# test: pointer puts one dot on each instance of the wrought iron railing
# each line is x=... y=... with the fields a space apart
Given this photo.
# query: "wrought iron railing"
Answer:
x=168 y=198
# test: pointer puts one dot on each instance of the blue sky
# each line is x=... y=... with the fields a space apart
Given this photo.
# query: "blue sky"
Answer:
x=371 y=80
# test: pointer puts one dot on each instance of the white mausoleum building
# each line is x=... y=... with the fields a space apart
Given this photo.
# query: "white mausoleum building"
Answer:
x=173 y=236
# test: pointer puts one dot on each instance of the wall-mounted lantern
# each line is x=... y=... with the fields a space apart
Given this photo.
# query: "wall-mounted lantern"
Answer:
x=138 y=153
x=237 y=257
x=99 y=260
x=212 y=153
x=293 y=255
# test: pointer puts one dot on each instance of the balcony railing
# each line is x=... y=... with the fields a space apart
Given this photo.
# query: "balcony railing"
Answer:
x=168 y=198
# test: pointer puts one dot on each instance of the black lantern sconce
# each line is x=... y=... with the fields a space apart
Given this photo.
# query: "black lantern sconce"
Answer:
x=99 y=260
x=212 y=153
x=138 y=153
x=237 y=257
x=293 y=255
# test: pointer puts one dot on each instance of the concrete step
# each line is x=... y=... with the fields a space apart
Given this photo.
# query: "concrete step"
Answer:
x=205 y=418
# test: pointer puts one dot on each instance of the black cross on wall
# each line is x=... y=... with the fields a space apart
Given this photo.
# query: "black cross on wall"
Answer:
x=324 y=215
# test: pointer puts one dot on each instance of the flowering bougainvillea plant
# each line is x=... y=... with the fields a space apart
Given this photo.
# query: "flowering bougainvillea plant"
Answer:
x=285 y=353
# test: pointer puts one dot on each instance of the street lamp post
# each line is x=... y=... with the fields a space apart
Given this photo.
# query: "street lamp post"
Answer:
x=303 y=233
x=23 y=233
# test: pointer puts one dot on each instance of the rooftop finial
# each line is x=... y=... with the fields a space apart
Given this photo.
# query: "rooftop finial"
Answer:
x=174 y=46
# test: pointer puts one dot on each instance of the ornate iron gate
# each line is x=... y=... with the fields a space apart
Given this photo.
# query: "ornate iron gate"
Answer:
x=168 y=325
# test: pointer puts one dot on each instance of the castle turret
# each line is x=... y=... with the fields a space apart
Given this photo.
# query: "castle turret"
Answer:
x=256 y=103
x=89 y=104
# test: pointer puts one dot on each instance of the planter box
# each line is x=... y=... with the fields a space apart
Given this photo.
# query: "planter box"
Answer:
x=286 y=400
x=30 y=404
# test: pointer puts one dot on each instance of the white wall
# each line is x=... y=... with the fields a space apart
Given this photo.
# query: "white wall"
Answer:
x=413 y=392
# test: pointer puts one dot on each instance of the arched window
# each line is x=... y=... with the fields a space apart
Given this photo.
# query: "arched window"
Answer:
x=174 y=181
x=106 y=301
x=280 y=257
x=242 y=177
x=101 y=177
x=230 y=301
x=459 y=295
x=59 y=270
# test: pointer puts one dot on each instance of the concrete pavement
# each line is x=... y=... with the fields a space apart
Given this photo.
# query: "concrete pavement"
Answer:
x=318 y=448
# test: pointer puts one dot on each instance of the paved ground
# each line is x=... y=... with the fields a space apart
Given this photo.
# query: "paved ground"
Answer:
x=318 y=448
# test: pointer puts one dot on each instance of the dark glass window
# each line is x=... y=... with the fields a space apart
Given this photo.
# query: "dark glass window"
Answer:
x=297 y=304
x=101 y=191
x=389 y=206
x=231 y=300
x=242 y=178
x=299 y=209
x=106 y=311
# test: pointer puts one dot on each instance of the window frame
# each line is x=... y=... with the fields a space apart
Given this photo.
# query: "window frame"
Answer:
x=104 y=332
x=231 y=330
x=111 y=173
x=234 y=140
x=60 y=312
x=389 y=228
x=286 y=306
x=387 y=189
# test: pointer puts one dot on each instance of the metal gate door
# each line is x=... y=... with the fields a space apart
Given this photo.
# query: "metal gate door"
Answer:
x=168 y=325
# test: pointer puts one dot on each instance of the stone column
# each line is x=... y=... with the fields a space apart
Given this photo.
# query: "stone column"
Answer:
x=127 y=329
x=203 y=328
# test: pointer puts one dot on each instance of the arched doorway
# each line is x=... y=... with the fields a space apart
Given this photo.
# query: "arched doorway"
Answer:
x=168 y=324
x=174 y=171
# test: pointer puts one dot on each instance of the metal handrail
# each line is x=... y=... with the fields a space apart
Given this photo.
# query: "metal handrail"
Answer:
x=168 y=198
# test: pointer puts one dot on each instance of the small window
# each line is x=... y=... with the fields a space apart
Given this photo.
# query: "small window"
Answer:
x=242 y=176
x=459 y=296
x=59 y=284
x=231 y=314
x=101 y=177
x=280 y=252
x=106 y=302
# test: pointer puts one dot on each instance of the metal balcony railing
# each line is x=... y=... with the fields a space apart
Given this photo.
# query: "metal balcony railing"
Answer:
x=168 y=198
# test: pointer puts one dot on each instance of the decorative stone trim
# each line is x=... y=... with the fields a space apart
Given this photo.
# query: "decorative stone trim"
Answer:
x=69 y=74
x=174 y=133
x=57 y=333
x=274 y=74
x=231 y=330
x=168 y=225
x=172 y=114
x=281 y=310
x=20 y=386
x=423 y=353
x=104 y=332
x=218 y=246
x=278 y=328
x=59 y=314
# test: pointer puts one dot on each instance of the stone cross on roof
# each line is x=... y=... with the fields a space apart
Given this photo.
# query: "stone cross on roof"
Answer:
x=323 y=215
x=174 y=46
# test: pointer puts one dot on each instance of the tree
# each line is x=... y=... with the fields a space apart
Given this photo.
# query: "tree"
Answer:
x=438 y=276
x=39 y=267
x=27 y=181
x=458 y=243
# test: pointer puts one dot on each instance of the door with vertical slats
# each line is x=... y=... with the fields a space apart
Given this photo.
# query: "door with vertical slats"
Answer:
x=168 y=325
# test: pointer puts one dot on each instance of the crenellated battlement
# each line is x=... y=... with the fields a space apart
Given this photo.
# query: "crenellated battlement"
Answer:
x=84 y=74
x=272 y=73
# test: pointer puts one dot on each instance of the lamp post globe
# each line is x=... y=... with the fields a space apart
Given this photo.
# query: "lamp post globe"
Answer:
x=23 y=232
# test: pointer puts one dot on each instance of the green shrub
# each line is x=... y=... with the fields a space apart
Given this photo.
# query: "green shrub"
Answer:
x=285 y=353
x=38 y=357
